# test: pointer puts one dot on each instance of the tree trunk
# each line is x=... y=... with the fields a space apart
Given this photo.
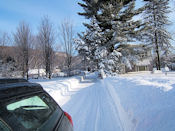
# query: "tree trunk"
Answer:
x=157 y=52
x=156 y=42
x=27 y=65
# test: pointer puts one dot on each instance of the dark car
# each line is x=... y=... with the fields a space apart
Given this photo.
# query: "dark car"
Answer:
x=25 y=106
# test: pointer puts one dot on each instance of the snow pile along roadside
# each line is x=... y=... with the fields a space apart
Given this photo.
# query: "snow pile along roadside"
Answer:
x=146 y=102
x=60 y=89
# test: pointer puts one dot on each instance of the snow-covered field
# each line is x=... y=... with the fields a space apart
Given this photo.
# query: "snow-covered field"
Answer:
x=132 y=102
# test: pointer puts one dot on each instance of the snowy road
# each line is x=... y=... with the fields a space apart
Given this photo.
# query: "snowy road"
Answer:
x=93 y=109
x=117 y=104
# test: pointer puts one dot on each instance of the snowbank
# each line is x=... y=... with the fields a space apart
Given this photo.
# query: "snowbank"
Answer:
x=147 y=101
x=60 y=89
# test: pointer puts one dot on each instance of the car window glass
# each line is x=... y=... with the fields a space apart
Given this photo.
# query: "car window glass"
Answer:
x=33 y=111
x=3 y=127
x=29 y=104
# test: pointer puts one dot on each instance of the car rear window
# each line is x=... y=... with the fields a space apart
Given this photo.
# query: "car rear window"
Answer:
x=34 y=112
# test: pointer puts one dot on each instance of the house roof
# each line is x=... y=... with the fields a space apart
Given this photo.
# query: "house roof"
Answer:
x=144 y=62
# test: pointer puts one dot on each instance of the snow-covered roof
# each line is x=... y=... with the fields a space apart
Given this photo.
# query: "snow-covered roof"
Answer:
x=144 y=62
x=35 y=71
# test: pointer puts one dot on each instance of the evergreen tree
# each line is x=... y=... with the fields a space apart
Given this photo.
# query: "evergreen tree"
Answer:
x=92 y=7
x=157 y=21
x=83 y=51
x=114 y=26
x=89 y=42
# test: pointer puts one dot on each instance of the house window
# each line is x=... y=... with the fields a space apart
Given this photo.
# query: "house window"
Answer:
x=142 y=68
x=143 y=55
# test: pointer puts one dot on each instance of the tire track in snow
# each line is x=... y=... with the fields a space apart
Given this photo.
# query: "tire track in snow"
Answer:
x=92 y=110
x=126 y=122
x=109 y=119
x=79 y=108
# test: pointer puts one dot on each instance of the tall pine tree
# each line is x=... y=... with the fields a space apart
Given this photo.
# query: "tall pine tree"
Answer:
x=157 y=21
x=88 y=43
x=116 y=26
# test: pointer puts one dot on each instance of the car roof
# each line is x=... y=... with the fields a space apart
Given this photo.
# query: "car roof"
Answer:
x=11 y=80
x=15 y=87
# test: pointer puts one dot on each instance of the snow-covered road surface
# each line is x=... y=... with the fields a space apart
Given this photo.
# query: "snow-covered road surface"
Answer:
x=132 y=103
x=93 y=109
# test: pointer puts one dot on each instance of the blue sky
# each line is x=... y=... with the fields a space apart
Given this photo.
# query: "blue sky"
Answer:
x=31 y=11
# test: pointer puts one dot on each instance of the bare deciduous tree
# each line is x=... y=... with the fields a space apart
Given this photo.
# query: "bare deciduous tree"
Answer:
x=66 y=38
x=4 y=41
x=37 y=55
x=46 y=39
x=23 y=41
